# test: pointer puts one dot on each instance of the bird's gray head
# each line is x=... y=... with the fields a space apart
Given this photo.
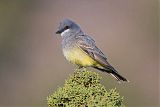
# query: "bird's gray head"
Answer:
x=68 y=27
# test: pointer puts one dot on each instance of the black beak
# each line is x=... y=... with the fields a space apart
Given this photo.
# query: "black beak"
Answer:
x=58 y=32
x=61 y=30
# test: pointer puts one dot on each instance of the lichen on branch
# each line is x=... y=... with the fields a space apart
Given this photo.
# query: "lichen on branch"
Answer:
x=83 y=89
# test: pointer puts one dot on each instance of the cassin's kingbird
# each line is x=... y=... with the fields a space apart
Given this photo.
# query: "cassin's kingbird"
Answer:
x=81 y=49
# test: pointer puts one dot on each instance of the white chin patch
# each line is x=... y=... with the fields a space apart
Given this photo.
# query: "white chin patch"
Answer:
x=65 y=32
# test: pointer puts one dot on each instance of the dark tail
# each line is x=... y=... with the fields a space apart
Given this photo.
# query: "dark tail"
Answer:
x=114 y=73
x=118 y=77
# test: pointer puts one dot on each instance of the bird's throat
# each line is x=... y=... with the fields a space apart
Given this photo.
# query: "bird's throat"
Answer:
x=66 y=32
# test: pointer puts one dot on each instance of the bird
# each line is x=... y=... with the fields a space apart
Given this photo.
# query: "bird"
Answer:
x=80 y=49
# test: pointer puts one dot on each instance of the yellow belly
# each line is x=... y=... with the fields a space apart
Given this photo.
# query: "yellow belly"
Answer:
x=77 y=56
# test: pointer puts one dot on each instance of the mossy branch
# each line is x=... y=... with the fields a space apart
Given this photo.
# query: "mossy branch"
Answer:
x=83 y=89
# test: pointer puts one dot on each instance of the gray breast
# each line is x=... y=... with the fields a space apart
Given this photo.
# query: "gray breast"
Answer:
x=68 y=42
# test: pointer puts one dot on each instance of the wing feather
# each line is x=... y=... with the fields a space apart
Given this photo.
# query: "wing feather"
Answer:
x=87 y=44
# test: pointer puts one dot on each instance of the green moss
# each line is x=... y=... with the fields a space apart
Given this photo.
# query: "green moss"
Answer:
x=83 y=89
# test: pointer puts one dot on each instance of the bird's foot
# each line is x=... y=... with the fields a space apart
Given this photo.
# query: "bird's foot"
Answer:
x=81 y=69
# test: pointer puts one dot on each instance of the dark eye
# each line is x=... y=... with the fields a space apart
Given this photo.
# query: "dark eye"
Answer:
x=66 y=27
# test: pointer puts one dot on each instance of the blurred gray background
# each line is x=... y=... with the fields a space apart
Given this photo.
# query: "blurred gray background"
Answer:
x=32 y=65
